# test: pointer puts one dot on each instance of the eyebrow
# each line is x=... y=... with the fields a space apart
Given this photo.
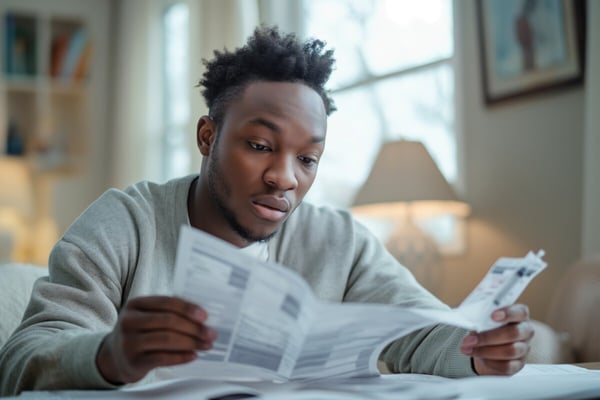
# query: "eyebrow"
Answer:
x=265 y=123
x=275 y=128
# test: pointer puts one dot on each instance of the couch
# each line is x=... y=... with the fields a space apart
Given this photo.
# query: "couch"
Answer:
x=16 y=283
x=573 y=309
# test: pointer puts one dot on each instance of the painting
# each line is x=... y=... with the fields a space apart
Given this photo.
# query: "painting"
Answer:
x=530 y=46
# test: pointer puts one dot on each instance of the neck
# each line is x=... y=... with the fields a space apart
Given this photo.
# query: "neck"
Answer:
x=205 y=214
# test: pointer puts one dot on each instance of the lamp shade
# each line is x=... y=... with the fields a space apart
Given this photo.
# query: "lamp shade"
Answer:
x=404 y=175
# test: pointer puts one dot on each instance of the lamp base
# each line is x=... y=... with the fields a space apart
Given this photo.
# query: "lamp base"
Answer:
x=418 y=252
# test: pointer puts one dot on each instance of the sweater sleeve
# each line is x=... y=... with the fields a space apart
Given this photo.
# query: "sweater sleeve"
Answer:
x=74 y=308
x=376 y=276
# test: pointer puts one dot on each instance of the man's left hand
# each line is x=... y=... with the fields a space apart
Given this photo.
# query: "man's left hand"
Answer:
x=501 y=351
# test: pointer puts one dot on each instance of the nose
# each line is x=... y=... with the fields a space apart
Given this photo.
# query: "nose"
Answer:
x=281 y=173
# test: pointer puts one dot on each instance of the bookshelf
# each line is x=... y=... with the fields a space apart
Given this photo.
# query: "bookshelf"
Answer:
x=53 y=108
x=44 y=89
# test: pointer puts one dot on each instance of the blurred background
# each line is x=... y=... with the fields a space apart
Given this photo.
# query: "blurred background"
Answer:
x=102 y=93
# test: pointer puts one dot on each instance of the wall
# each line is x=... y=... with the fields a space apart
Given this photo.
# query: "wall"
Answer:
x=522 y=176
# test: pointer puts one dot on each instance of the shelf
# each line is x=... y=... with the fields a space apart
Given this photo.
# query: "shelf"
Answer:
x=72 y=89
x=21 y=84
x=36 y=84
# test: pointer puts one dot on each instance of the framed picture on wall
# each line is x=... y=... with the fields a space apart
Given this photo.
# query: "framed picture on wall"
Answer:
x=528 y=46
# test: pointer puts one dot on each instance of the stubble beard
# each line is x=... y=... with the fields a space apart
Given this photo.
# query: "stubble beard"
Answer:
x=219 y=190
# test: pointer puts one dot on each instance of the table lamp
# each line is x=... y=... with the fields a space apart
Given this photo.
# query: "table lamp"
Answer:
x=406 y=185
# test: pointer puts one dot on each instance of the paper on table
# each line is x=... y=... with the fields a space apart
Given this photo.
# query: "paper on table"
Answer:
x=536 y=381
x=392 y=387
x=554 y=369
x=181 y=389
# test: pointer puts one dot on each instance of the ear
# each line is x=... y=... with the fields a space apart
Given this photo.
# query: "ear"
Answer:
x=206 y=133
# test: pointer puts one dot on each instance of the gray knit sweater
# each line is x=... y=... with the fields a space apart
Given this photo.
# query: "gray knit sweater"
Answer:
x=123 y=246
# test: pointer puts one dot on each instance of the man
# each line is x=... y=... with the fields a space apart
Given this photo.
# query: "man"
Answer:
x=104 y=316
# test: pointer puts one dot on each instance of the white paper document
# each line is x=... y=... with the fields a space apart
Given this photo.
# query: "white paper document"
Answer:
x=271 y=327
x=534 y=382
x=502 y=285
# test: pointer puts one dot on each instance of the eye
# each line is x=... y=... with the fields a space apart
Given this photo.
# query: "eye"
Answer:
x=309 y=162
x=258 y=146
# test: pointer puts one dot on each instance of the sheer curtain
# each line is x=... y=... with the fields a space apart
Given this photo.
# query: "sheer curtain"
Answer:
x=138 y=99
x=132 y=103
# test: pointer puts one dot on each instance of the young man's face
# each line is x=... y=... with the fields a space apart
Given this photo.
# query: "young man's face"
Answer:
x=264 y=158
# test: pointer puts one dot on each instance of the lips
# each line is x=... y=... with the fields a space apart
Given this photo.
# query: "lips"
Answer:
x=271 y=208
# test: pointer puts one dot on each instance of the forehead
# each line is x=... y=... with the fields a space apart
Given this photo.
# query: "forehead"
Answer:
x=285 y=100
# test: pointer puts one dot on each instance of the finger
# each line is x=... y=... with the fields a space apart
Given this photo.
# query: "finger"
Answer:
x=149 y=361
x=164 y=341
x=167 y=303
x=493 y=367
x=517 y=332
x=136 y=321
x=512 y=313
x=506 y=352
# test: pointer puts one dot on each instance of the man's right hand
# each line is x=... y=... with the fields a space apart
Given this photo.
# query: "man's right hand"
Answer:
x=153 y=331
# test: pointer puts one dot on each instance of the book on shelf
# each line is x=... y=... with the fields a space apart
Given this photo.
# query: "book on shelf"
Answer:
x=82 y=66
x=271 y=326
x=60 y=45
x=20 y=45
x=70 y=56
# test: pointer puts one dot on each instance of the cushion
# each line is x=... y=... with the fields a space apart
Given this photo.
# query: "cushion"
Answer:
x=549 y=346
x=574 y=309
x=16 y=283
x=6 y=244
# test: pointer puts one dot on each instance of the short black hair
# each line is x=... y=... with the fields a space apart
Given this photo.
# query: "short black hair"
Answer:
x=267 y=56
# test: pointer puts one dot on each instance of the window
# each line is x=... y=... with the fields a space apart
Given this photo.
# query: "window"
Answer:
x=175 y=155
x=394 y=80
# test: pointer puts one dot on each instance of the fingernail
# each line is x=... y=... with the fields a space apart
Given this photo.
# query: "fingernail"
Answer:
x=467 y=350
x=200 y=315
x=212 y=334
x=499 y=315
x=470 y=340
